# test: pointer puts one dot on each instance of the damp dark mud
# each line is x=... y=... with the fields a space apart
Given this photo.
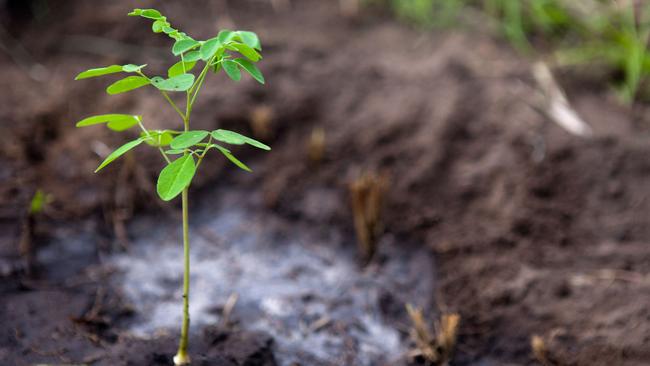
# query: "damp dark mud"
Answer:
x=533 y=231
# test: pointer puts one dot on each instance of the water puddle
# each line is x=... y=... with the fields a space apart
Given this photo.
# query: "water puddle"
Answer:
x=297 y=282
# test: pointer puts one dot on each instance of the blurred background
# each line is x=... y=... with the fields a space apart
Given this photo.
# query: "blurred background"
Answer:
x=484 y=161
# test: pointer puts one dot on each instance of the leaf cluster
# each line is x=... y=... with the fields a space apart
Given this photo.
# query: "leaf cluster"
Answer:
x=234 y=52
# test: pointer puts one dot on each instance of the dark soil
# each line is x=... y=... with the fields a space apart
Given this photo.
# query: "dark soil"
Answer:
x=534 y=231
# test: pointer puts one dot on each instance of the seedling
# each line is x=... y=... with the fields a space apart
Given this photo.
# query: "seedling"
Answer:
x=182 y=150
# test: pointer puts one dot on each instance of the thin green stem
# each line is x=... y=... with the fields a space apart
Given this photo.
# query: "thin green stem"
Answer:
x=197 y=85
x=146 y=132
x=165 y=95
x=182 y=357
x=171 y=102
x=207 y=148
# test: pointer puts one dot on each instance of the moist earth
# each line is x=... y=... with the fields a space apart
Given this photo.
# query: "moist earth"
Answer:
x=532 y=230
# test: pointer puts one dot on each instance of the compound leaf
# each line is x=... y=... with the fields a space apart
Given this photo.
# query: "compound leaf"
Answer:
x=187 y=139
x=119 y=152
x=177 y=83
x=175 y=177
x=127 y=84
x=251 y=69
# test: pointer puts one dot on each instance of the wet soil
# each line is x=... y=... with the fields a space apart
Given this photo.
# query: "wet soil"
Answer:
x=533 y=231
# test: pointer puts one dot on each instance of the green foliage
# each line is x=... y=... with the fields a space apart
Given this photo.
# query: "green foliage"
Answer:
x=181 y=67
x=614 y=34
x=617 y=39
x=116 y=122
x=522 y=20
x=127 y=84
x=232 y=51
x=235 y=138
x=158 y=138
x=37 y=204
x=231 y=157
x=176 y=83
x=232 y=69
x=175 y=177
x=119 y=152
x=113 y=69
x=188 y=139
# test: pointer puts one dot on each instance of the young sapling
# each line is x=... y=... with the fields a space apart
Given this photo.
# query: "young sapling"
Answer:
x=182 y=150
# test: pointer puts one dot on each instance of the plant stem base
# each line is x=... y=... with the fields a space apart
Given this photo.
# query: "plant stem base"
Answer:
x=182 y=359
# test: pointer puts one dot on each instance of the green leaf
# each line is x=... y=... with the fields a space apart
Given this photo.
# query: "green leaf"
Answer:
x=209 y=48
x=157 y=138
x=251 y=69
x=192 y=56
x=234 y=138
x=247 y=51
x=183 y=46
x=133 y=68
x=119 y=152
x=187 y=139
x=228 y=137
x=250 y=39
x=146 y=13
x=116 y=122
x=178 y=83
x=232 y=69
x=125 y=124
x=232 y=158
x=38 y=202
x=175 y=177
x=113 y=69
x=181 y=67
x=174 y=152
x=127 y=84
x=225 y=36
x=158 y=25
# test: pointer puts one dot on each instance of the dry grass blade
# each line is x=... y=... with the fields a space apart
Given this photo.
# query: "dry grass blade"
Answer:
x=316 y=145
x=556 y=104
x=436 y=349
x=228 y=308
x=367 y=195
x=540 y=351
